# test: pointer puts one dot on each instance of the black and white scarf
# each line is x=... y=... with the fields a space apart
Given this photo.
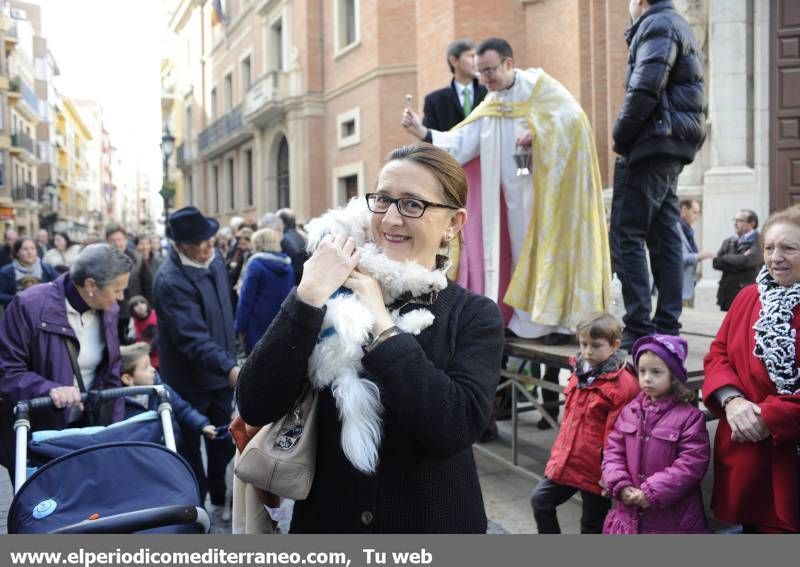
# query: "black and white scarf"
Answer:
x=775 y=338
x=587 y=373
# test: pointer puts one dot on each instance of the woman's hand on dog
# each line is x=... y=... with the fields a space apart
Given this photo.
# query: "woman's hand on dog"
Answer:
x=368 y=291
x=328 y=268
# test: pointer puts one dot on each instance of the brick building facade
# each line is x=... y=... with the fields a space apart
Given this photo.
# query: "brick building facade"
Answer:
x=311 y=124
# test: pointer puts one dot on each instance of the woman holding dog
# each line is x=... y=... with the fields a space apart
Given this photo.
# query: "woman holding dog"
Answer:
x=436 y=388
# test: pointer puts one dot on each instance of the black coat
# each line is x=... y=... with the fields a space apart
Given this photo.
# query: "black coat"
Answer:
x=437 y=390
x=443 y=108
x=664 y=111
x=739 y=269
x=6 y=255
x=294 y=245
x=140 y=283
x=196 y=343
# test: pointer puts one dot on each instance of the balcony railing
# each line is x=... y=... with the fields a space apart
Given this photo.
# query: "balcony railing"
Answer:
x=17 y=85
x=264 y=95
x=183 y=154
x=22 y=140
x=219 y=130
x=30 y=97
x=24 y=191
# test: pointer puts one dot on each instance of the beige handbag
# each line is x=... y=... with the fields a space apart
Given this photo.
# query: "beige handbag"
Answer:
x=281 y=458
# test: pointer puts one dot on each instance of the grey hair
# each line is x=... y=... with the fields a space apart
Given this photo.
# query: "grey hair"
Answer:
x=101 y=262
x=271 y=220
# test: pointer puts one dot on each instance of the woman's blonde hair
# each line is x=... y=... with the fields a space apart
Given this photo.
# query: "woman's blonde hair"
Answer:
x=267 y=240
x=445 y=169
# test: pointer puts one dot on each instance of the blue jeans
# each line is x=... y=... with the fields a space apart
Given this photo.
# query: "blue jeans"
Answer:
x=644 y=210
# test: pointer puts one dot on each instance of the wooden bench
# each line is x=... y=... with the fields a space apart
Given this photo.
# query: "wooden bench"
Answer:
x=699 y=329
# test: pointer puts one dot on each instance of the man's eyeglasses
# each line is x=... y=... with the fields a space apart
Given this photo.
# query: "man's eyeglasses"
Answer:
x=740 y=220
x=491 y=70
x=407 y=207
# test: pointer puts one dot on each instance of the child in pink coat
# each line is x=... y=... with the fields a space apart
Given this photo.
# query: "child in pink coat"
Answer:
x=658 y=453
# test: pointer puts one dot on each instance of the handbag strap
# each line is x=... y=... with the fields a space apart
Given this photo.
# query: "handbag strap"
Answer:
x=76 y=370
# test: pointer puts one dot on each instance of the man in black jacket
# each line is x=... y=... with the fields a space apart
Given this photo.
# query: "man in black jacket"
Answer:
x=141 y=279
x=448 y=106
x=196 y=341
x=659 y=129
x=739 y=259
x=293 y=244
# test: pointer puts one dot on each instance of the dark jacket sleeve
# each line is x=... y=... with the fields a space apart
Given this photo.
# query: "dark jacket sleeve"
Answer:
x=8 y=286
x=656 y=53
x=273 y=375
x=429 y=118
x=180 y=311
x=444 y=410
x=185 y=414
x=49 y=273
x=146 y=279
x=251 y=283
x=727 y=260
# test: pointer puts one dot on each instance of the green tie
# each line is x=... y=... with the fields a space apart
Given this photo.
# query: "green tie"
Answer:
x=467 y=103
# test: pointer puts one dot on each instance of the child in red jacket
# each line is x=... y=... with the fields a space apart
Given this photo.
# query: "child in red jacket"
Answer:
x=598 y=389
x=145 y=325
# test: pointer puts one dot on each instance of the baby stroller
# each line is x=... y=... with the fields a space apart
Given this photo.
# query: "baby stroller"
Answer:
x=114 y=479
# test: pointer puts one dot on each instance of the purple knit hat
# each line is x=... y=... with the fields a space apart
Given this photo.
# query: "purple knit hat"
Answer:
x=671 y=349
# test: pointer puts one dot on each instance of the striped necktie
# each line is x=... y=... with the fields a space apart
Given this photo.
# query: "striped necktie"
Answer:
x=467 y=102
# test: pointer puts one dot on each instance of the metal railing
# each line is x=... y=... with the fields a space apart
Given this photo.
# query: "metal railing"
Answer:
x=30 y=97
x=183 y=154
x=24 y=191
x=266 y=90
x=228 y=124
x=22 y=140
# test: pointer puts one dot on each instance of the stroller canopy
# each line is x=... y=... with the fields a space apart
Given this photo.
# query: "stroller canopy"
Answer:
x=103 y=480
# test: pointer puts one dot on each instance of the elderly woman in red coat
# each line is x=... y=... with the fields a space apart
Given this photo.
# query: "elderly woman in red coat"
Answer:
x=753 y=385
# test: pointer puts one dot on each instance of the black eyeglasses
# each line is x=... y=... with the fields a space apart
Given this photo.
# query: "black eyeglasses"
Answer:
x=408 y=207
x=491 y=70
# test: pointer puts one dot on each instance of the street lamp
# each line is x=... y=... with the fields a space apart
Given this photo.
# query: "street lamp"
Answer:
x=167 y=190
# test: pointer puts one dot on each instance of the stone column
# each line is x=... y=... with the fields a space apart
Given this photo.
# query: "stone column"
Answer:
x=738 y=80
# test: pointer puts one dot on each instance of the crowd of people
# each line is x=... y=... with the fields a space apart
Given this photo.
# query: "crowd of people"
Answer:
x=396 y=316
x=108 y=304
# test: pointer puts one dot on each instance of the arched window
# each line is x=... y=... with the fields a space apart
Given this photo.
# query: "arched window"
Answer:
x=283 y=174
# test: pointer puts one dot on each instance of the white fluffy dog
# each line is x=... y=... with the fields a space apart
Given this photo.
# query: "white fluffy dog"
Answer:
x=336 y=360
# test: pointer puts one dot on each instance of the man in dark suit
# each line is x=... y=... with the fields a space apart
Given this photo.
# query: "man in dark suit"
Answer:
x=739 y=259
x=448 y=106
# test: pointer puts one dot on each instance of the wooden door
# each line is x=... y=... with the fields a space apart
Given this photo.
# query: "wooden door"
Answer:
x=784 y=103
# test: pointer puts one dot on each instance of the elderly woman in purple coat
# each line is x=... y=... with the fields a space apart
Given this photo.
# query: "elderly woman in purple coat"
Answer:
x=80 y=308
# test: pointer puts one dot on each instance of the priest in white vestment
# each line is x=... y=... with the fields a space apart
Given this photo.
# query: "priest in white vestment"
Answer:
x=544 y=255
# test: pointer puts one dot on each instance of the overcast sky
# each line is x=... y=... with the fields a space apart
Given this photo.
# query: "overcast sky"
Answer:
x=109 y=51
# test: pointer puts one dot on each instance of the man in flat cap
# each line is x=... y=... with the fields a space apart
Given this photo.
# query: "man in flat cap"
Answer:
x=197 y=344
